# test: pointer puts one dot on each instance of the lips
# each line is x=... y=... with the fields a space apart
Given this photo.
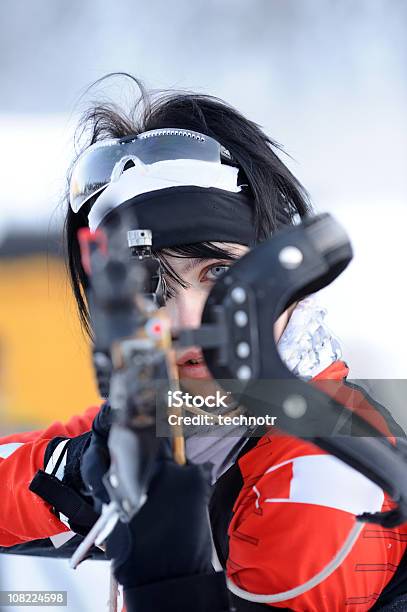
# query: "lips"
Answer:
x=192 y=365
x=192 y=354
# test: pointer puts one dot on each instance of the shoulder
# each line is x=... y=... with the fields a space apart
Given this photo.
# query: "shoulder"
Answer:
x=283 y=469
x=295 y=510
x=297 y=506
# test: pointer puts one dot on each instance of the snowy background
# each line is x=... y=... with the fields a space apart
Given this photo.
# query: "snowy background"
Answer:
x=327 y=79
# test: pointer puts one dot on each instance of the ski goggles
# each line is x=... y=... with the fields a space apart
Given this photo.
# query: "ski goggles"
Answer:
x=104 y=161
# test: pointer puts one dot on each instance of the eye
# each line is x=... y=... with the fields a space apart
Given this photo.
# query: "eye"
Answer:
x=214 y=272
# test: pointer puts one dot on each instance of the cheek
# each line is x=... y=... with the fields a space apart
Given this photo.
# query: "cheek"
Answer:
x=185 y=310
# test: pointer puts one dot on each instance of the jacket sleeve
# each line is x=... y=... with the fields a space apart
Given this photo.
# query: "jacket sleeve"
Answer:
x=24 y=516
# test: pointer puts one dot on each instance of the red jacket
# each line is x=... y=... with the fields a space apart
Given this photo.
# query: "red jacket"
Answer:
x=23 y=515
x=293 y=513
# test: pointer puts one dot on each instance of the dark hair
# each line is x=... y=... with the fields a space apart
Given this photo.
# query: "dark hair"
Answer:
x=278 y=196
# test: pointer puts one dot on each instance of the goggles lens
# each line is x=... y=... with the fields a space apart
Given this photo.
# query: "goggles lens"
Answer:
x=106 y=160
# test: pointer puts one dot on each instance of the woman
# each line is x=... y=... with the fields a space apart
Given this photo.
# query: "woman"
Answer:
x=267 y=540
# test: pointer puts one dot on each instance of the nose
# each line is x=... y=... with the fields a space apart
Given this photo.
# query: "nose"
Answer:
x=185 y=308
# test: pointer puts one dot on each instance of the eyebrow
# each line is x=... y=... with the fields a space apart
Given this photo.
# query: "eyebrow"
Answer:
x=191 y=264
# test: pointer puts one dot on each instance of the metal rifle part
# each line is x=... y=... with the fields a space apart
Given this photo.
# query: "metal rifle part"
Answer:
x=140 y=242
x=242 y=308
x=96 y=536
x=137 y=339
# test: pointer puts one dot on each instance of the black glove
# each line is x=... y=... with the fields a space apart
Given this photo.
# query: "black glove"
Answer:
x=163 y=556
x=68 y=492
x=95 y=462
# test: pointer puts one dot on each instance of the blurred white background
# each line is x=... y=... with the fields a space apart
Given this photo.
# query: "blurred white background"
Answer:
x=327 y=79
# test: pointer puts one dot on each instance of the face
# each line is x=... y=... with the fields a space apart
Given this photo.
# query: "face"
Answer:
x=186 y=306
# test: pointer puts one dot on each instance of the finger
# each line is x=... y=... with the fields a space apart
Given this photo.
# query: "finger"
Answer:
x=95 y=464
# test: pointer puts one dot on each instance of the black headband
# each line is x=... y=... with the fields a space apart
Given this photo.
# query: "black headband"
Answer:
x=187 y=215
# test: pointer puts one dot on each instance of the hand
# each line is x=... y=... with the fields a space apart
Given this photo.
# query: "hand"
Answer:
x=96 y=460
x=170 y=535
x=163 y=556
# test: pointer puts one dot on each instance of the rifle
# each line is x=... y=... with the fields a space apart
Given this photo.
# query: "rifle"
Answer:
x=132 y=350
x=297 y=261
